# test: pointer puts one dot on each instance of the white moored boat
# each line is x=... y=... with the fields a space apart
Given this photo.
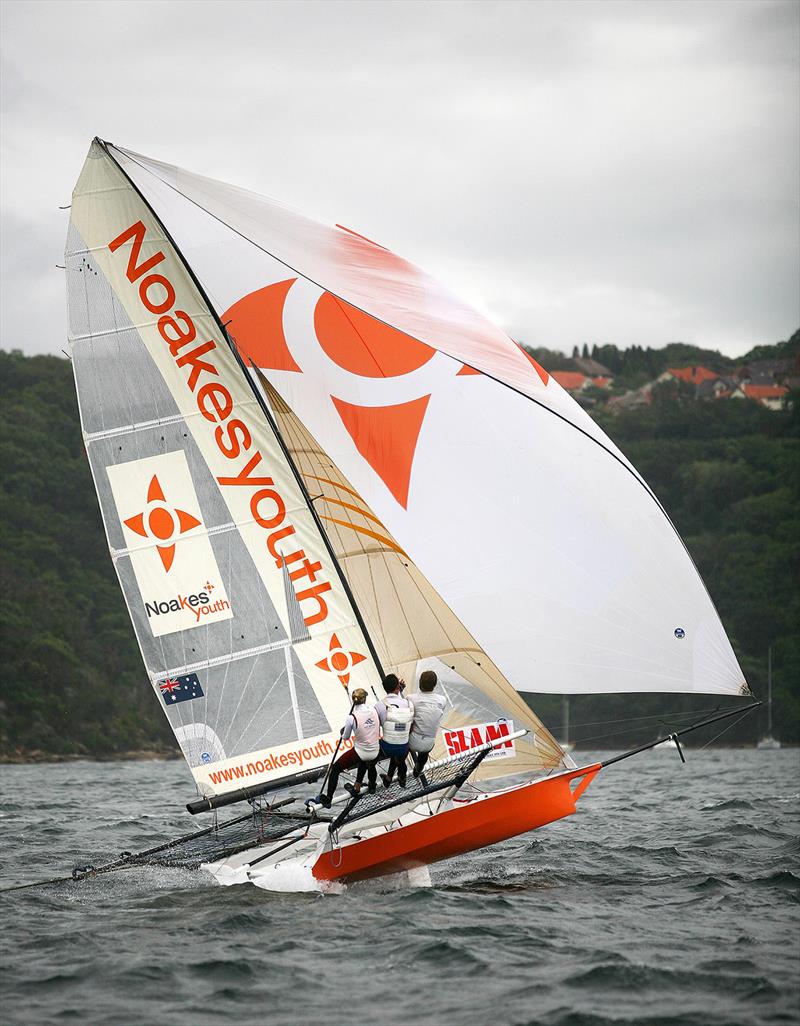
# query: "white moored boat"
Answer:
x=315 y=466
x=768 y=742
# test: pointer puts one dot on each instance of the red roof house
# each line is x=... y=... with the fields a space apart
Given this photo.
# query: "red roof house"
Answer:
x=692 y=375
x=572 y=381
x=768 y=395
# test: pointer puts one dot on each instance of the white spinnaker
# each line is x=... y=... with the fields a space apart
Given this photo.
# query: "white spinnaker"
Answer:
x=235 y=599
x=518 y=509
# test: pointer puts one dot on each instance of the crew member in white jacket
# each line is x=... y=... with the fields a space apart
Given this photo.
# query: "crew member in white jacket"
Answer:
x=364 y=725
x=396 y=713
x=429 y=710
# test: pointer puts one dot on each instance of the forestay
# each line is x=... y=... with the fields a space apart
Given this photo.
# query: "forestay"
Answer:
x=238 y=606
x=521 y=513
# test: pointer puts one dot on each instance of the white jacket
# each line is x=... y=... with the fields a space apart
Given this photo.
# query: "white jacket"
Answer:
x=429 y=710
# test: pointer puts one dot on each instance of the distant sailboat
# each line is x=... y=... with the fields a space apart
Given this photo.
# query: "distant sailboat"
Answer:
x=768 y=742
x=564 y=740
x=314 y=467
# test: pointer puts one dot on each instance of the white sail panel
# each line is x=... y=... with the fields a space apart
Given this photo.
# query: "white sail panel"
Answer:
x=236 y=600
x=521 y=513
x=154 y=524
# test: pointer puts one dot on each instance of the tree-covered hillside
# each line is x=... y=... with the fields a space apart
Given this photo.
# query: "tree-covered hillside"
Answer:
x=72 y=678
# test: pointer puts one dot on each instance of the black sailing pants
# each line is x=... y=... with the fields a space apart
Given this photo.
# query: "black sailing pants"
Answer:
x=349 y=761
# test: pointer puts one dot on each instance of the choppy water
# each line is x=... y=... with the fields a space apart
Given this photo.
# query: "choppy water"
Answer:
x=672 y=897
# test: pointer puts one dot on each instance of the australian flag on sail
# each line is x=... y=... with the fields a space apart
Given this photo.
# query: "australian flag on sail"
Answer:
x=180 y=689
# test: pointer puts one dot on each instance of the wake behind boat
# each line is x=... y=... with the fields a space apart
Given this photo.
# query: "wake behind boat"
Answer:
x=315 y=467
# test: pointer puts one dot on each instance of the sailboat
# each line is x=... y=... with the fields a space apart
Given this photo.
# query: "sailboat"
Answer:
x=315 y=466
x=564 y=740
x=768 y=742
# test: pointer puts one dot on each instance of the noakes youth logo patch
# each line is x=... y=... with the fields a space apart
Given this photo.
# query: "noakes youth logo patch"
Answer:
x=174 y=564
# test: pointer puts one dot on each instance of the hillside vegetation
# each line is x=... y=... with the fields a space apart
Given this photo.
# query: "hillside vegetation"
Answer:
x=73 y=680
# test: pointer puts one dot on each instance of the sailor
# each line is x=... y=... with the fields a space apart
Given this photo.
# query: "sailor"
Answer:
x=428 y=712
x=363 y=725
x=398 y=713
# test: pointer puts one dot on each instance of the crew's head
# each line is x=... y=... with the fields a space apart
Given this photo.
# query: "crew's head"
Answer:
x=359 y=696
x=427 y=680
x=392 y=684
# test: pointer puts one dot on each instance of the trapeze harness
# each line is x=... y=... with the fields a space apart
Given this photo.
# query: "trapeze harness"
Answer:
x=397 y=725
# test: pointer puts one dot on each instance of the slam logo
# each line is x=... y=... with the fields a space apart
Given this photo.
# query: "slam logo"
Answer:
x=476 y=734
x=167 y=544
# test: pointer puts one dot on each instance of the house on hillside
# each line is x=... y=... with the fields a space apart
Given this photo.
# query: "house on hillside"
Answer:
x=768 y=372
x=771 y=396
x=716 y=388
x=591 y=368
x=691 y=375
x=631 y=400
x=572 y=381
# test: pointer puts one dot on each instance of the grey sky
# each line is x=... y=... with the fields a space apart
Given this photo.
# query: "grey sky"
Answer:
x=601 y=172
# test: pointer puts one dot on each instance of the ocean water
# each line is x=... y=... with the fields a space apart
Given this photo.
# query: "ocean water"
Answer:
x=671 y=897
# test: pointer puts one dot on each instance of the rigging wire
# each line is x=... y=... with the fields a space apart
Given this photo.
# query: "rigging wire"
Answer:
x=654 y=716
x=723 y=731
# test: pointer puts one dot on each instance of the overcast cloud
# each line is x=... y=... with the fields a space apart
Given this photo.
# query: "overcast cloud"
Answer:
x=584 y=172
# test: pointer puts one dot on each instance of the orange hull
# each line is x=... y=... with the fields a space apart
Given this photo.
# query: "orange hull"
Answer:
x=470 y=825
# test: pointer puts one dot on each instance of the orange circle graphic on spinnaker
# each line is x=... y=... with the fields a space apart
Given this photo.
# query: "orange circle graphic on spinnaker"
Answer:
x=363 y=345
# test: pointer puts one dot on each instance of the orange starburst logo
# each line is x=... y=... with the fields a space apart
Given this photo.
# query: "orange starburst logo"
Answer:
x=161 y=522
x=340 y=661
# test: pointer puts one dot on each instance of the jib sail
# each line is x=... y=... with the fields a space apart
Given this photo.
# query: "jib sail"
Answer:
x=411 y=625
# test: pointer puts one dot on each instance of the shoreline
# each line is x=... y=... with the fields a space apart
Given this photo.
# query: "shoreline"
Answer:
x=152 y=755
x=35 y=756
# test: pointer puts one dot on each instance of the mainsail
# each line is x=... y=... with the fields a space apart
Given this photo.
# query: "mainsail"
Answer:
x=245 y=624
x=524 y=517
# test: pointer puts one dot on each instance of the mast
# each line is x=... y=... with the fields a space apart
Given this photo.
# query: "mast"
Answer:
x=565 y=718
x=769 y=691
x=262 y=406
x=302 y=485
